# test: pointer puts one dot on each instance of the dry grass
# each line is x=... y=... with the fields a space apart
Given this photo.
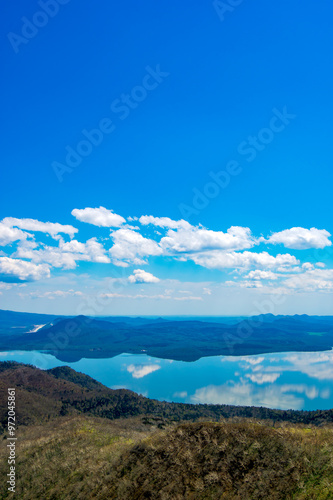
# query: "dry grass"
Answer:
x=236 y=461
x=87 y=457
x=69 y=457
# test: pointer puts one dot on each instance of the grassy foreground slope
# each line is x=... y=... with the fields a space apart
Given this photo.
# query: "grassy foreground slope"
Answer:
x=86 y=457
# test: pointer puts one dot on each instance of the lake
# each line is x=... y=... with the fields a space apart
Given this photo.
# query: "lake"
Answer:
x=293 y=380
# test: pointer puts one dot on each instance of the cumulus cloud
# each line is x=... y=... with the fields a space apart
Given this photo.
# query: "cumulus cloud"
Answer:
x=164 y=222
x=196 y=239
x=21 y=270
x=242 y=260
x=65 y=255
x=299 y=238
x=261 y=275
x=311 y=280
x=246 y=283
x=51 y=228
x=298 y=280
x=231 y=250
x=180 y=394
x=91 y=250
x=130 y=247
x=141 y=276
x=101 y=217
x=10 y=234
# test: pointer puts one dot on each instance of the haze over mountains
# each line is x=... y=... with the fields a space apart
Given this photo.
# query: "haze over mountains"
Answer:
x=185 y=339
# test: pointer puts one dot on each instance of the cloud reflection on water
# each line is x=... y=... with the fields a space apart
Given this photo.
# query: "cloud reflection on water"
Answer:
x=246 y=394
x=140 y=371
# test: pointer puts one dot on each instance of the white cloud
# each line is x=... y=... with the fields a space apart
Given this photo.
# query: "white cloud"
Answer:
x=241 y=260
x=131 y=247
x=91 y=250
x=246 y=283
x=65 y=255
x=49 y=255
x=101 y=217
x=196 y=239
x=146 y=296
x=299 y=238
x=216 y=250
x=137 y=296
x=298 y=280
x=140 y=371
x=164 y=222
x=261 y=275
x=141 y=276
x=311 y=280
x=181 y=394
x=22 y=270
x=5 y=286
x=51 y=228
x=187 y=242
x=51 y=295
x=307 y=265
x=188 y=297
x=10 y=234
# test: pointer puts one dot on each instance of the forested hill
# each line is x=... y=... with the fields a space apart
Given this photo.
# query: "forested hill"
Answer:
x=70 y=339
x=46 y=395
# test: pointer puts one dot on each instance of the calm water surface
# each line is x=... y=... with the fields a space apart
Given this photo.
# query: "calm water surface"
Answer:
x=285 y=380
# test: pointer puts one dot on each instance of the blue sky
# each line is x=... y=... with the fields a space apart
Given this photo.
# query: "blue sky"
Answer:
x=184 y=112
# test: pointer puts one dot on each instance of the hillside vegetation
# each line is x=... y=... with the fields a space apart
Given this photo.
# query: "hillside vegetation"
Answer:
x=61 y=391
x=126 y=459
x=74 y=443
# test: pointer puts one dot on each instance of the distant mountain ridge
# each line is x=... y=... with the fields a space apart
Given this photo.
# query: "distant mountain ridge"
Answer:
x=70 y=339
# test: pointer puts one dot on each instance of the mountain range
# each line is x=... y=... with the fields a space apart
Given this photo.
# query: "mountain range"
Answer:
x=72 y=338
